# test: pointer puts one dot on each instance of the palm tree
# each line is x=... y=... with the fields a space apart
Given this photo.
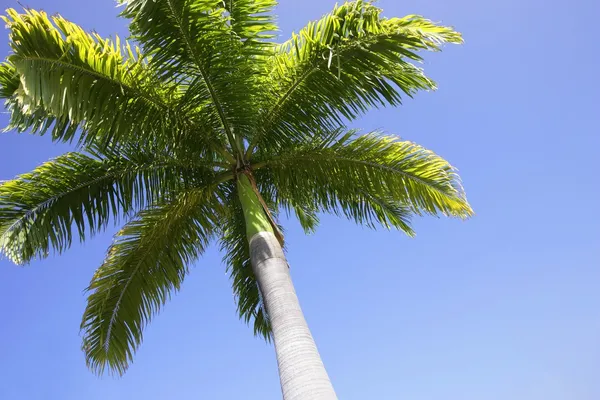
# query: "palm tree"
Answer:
x=206 y=132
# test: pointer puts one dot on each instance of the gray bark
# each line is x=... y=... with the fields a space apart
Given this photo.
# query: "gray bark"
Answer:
x=301 y=371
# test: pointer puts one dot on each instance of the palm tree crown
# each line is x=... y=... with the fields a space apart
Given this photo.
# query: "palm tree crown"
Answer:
x=208 y=112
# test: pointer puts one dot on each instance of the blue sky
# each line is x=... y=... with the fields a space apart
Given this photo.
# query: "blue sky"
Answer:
x=503 y=306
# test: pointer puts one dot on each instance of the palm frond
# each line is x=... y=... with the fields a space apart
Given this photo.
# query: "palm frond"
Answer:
x=70 y=79
x=197 y=44
x=38 y=210
x=9 y=80
x=372 y=179
x=338 y=67
x=363 y=204
x=146 y=263
x=24 y=115
x=306 y=213
x=253 y=22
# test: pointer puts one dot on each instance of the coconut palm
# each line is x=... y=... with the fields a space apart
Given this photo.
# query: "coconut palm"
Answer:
x=206 y=132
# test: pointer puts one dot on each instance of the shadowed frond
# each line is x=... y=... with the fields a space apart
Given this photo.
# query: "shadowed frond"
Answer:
x=338 y=67
x=371 y=178
x=197 y=44
x=69 y=79
x=362 y=203
x=39 y=209
x=146 y=263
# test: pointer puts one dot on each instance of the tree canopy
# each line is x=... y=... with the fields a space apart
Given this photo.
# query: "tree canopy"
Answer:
x=166 y=122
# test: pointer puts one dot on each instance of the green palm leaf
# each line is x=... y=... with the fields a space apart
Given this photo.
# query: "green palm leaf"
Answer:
x=147 y=262
x=350 y=60
x=192 y=42
x=39 y=210
x=371 y=178
x=252 y=21
x=82 y=80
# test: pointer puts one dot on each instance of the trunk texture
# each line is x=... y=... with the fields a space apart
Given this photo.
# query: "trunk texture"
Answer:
x=301 y=371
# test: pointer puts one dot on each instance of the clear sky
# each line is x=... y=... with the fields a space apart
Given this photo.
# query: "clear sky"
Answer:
x=503 y=306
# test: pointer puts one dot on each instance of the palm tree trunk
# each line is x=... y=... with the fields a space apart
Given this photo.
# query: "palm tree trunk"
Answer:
x=301 y=371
